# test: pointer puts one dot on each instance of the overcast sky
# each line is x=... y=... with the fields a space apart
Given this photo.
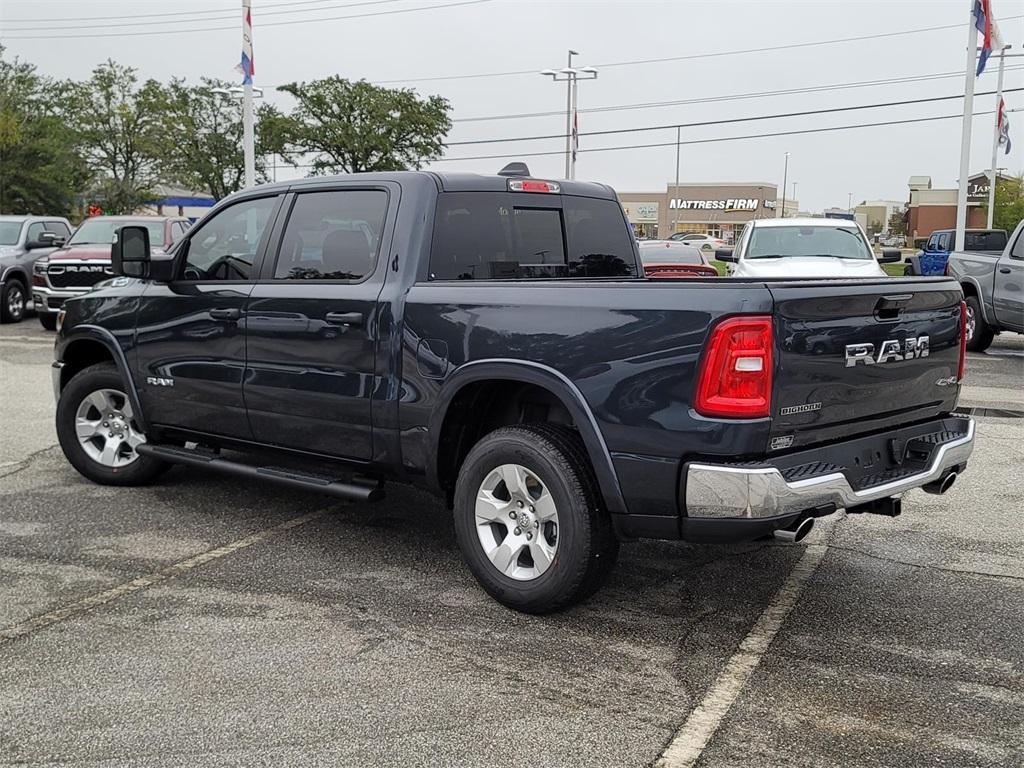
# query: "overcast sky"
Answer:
x=511 y=35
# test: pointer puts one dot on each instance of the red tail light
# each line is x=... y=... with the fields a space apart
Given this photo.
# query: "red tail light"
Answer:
x=963 y=340
x=736 y=373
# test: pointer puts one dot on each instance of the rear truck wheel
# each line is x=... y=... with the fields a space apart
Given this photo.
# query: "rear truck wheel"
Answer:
x=530 y=521
x=97 y=430
x=979 y=335
x=12 y=301
x=48 y=320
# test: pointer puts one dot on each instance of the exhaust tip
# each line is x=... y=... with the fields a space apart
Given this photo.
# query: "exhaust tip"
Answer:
x=795 y=533
x=942 y=485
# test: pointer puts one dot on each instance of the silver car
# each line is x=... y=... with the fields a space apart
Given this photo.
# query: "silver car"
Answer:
x=23 y=241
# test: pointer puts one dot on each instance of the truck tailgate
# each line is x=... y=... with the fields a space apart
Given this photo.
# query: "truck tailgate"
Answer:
x=855 y=356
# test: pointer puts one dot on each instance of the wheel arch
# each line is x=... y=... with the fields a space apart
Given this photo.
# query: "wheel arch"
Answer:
x=88 y=345
x=970 y=287
x=445 y=458
x=19 y=274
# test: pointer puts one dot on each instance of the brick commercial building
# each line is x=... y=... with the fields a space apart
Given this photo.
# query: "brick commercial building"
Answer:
x=720 y=210
x=930 y=209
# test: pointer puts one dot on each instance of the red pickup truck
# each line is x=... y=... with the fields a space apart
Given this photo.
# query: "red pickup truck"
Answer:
x=84 y=259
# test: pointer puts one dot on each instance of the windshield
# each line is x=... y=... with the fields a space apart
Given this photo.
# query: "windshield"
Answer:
x=838 y=242
x=659 y=254
x=100 y=231
x=9 y=232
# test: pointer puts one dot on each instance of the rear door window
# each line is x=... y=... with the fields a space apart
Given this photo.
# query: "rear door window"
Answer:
x=944 y=241
x=497 y=235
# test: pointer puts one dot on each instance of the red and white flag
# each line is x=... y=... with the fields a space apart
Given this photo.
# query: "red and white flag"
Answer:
x=246 y=65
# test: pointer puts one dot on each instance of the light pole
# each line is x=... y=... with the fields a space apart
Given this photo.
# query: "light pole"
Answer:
x=849 y=202
x=571 y=77
x=794 y=196
x=785 y=173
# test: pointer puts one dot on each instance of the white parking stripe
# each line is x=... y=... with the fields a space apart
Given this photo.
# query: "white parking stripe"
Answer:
x=53 y=617
x=704 y=721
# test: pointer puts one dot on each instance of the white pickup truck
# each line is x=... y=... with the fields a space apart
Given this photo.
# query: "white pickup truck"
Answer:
x=993 y=287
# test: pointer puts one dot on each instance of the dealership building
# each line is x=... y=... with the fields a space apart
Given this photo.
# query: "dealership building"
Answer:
x=720 y=210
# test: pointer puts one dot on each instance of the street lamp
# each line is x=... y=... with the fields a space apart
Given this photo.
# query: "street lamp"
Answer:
x=785 y=173
x=571 y=76
x=849 y=202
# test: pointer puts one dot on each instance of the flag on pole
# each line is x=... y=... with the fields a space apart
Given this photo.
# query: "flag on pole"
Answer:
x=1003 y=126
x=575 y=134
x=985 y=22
x=246 y=66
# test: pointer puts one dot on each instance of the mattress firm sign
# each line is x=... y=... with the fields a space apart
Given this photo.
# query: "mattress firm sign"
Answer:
x=729 y=205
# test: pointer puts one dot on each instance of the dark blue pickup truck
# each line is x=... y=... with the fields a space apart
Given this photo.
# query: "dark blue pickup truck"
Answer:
x=494 y=339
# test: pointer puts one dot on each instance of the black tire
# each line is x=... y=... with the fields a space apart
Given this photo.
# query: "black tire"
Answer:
x=13 y=298
x=586 y=544
x=48 y=320
x=141 y=471
x=982 y=337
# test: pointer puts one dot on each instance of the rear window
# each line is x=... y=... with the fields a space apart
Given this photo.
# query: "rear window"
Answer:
x=984 y=241
x=510 y=236
x=676 y=254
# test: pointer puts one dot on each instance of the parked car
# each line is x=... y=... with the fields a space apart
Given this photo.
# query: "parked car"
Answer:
x=780 y=248
x=669 y=259
x=931 y=260
x=704 y=242
x=993 y=286
x=84 y=259
x=495 y=341
x=23 y=241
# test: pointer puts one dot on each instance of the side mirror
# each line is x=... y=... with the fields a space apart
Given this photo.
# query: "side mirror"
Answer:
x=725 y=254
x=129 y=253
x=890 y=256
x=46 y=240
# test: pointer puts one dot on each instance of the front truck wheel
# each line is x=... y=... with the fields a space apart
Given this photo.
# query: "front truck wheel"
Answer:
x=530 y=521
x=97 y=430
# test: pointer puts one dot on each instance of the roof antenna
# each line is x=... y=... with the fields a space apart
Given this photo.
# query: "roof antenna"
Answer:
x=514 y=169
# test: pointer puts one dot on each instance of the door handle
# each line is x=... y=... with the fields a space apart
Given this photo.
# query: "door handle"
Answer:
x=345 y=318
x=1005 y=270
x=232 y=313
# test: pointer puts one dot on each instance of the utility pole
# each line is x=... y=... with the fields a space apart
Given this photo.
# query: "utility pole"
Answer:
x=571 y=77
x=675 y=191
x=785 y=173
x=794 y=194
x=849 y=202
x=995 y=140
x=248 y=70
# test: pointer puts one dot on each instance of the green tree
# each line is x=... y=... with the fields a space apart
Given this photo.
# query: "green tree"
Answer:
x=348 y=127
x=1008 y=208
x=119 y=133
x=203 y=138
x=40 y=169
x=898 y=223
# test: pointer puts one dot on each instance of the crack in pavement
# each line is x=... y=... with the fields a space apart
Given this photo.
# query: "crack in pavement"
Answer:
x=927 y=565
x=42 y=621
x=17 y=466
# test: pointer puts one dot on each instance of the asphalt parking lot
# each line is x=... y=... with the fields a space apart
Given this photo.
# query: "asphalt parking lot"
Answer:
x=206 y=621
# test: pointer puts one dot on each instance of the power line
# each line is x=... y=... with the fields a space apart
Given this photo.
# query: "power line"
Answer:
x=235 y=26
x=703 y=123
x=688 y=57
x=733 y=97
x=709 y=141
x=188 y=17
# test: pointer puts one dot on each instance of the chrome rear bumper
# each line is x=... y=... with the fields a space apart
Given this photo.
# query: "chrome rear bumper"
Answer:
x=722 y=491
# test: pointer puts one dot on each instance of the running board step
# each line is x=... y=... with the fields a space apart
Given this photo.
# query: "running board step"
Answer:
x=328 y=485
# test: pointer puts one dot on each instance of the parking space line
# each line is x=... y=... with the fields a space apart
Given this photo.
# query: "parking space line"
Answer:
x=28 y=626
x=704 y=721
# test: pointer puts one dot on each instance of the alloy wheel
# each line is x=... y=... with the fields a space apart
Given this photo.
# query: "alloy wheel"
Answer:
x=15 y=301
x=517 y=522
x=106 y=429
x=971 y=324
